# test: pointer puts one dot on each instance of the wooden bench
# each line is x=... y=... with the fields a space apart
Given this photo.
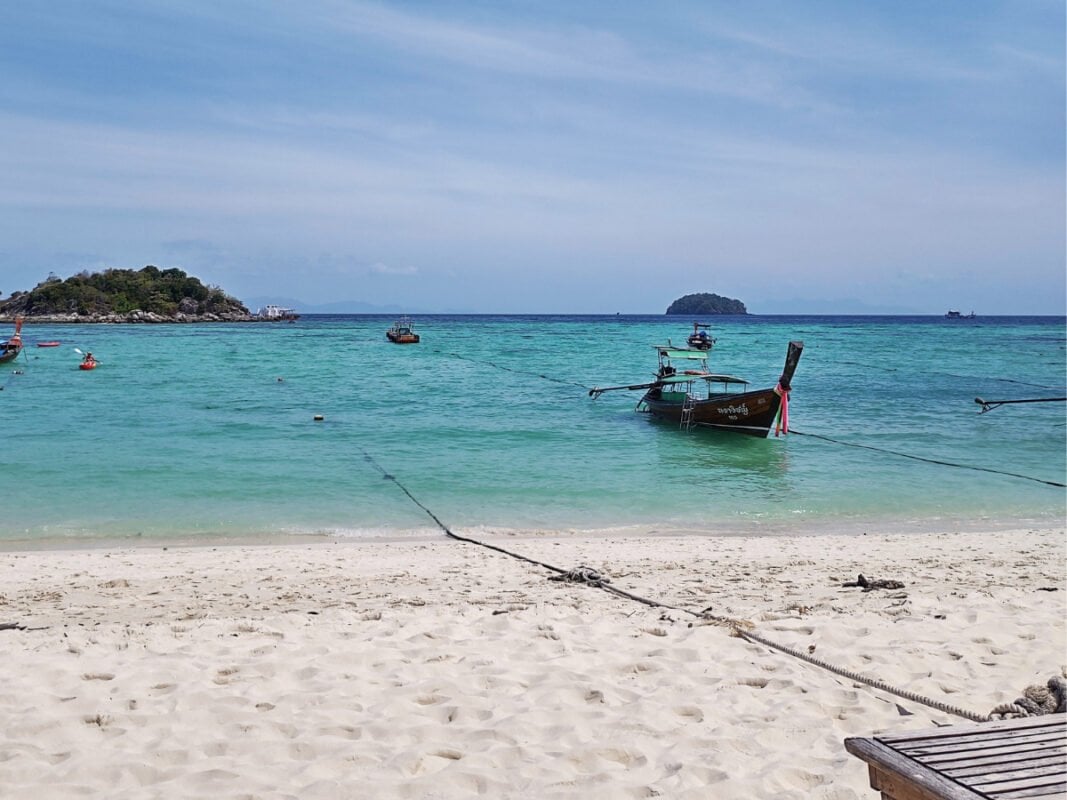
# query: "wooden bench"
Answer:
x=1010 y=760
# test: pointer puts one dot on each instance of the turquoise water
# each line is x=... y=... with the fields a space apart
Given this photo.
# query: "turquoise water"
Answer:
x=188 y=431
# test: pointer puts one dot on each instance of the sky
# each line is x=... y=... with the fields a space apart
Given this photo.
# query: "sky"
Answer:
x=544 y=157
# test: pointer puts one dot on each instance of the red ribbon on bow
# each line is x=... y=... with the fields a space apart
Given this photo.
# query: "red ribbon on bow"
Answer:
x=781 y=424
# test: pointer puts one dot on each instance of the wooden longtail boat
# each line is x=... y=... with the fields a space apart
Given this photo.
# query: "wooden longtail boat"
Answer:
x=10 y=349
x=700 y=339
x=723 y=402
x=402 y=332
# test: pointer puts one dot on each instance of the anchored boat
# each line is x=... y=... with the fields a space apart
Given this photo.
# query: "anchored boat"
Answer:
x=402 y=332
x=700 y=339
x=10 y=349
x=687 y=392
x=274 y=313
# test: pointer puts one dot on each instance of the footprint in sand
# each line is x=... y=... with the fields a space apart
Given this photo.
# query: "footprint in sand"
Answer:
x=692 y=713
x=98 y=676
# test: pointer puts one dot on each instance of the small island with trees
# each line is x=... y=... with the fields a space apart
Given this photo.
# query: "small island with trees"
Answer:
x=704 y=304
x=150 y=294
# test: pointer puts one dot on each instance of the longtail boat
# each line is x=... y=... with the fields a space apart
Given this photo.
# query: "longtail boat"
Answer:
x=694 y=395
x=10 y=349
x=699 y=339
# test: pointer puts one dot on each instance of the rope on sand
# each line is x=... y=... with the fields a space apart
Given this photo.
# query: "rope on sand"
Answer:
x=591 y=577
x=1036 y=701
x=856 y=676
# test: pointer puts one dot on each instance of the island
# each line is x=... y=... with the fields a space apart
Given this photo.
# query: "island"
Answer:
x=704 y=304
x=147 y=295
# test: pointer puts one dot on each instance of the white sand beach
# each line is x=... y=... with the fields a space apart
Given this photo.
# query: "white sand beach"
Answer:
x=439 y=669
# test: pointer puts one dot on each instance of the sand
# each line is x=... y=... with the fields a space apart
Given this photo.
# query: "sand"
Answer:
x=438 y=669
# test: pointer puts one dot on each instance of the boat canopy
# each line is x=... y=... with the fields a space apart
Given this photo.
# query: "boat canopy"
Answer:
x=704 y=376
x=687 y=355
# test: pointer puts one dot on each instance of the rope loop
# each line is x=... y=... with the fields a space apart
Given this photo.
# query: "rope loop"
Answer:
x=586 y=575
x=1036 y=701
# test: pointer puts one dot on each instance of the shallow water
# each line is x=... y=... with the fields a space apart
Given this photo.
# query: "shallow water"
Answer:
x=197 y=430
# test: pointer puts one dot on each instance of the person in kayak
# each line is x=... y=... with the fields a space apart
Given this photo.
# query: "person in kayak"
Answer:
x=88 y=359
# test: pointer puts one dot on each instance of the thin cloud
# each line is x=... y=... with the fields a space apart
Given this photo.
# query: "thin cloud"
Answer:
x=387 y=269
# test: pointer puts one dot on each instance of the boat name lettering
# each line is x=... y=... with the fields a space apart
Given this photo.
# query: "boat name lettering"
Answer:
x=741 y=409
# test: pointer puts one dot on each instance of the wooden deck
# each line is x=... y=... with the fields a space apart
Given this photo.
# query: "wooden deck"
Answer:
x=1020 y=758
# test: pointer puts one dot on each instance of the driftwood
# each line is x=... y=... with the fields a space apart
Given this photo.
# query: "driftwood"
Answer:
x=872 y=583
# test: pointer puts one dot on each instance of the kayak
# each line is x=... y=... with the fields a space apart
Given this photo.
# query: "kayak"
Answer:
x=87 y=365
x=48 y=344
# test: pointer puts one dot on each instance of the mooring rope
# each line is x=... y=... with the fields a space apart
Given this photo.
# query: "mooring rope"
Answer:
x=883 y=368
x=927 y=460
x=591 y=577
x=510 y=369
x=791 y=430
x=860 y=678
x=1036 y=701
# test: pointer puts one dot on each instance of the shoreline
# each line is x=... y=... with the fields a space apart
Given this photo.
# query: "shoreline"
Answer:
x=435 y=668
x=776 y=529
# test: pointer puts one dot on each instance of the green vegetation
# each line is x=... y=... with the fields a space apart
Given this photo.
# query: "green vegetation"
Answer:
x=703 y=304
x=166 y=292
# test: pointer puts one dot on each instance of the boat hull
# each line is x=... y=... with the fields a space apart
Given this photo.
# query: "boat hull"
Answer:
x=402 y=338
x=84 y=365
x=750 y=413
x=9 y=355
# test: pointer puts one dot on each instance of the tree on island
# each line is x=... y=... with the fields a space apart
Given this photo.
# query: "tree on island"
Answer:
x=704 y=304
x=166 y=292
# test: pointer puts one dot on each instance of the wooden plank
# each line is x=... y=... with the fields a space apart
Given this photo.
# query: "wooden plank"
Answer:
x=1051 y=734
x=1058 y=791
x=952 y=760
x=1019 y=779
x=970 y=728
x=902 y=787
x=978 y=745
x=996 y=787
x=903 y=778
x=989 y=766
x=981 y=731
x=1010 y=760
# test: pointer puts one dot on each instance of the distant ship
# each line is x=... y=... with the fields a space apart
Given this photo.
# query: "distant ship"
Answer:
x=958 y=315
x=277 y=314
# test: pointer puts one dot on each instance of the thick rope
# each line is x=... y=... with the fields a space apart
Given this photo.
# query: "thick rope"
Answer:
x=856 y=676
x=510 y=369
x=592 y=578
x=1036 y=701
x=927 y=460
x=791 y=430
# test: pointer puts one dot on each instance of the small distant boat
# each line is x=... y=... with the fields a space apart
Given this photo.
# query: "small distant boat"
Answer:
x=10 y=349
x=724 y=403
x=700 y=338
x=958 y=315
x=402 y=332
x=48 y=344
x=87 y=364
x=278 y=314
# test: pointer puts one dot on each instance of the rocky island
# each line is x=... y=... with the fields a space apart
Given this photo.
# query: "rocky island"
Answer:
x=704 y=304
x=124 y=295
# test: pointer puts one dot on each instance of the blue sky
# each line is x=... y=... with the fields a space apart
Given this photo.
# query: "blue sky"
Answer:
x=567 y=157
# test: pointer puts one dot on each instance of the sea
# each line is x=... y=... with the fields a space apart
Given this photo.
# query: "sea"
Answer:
x=321 y=427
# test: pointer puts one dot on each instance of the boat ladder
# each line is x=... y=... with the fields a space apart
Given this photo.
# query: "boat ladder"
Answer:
x=687 y=412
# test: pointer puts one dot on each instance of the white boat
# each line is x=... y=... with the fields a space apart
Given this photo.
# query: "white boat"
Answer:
x=277 y=313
